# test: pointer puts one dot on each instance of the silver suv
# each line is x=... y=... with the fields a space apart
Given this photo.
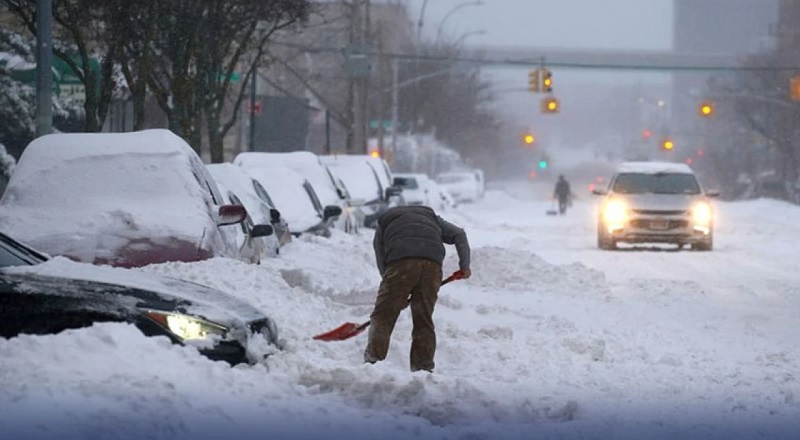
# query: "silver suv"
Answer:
x=655 y=202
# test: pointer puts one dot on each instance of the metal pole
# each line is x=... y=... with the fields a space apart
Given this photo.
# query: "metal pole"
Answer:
x=252 y=140
x=327 y=131
x=44 y=67
x=395 y=102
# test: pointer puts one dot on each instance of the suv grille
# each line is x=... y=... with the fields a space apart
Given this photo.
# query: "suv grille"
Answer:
x=671 y=224
x=659 y=212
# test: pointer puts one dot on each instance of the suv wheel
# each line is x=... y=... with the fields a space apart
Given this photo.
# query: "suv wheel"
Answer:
x=604 y=241
x=705 y=245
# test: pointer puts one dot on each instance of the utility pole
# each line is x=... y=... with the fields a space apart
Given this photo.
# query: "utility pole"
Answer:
x=395 y=103
x=44 y=67
x=252 y=140
x=360 y=98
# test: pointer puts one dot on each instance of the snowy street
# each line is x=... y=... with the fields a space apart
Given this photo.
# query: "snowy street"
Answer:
x=550 y=338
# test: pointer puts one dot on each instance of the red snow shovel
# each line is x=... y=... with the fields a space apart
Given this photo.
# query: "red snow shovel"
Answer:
x=350 y=329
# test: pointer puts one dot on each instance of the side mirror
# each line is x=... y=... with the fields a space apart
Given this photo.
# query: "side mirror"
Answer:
x=599 y=192
x=274 y=215
x=262 y=231
x=712 y=193
x=231 y=215
x=331 y=211
x=393 y=191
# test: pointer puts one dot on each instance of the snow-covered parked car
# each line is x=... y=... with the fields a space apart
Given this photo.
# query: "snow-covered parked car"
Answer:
x=237 y=187
x=296 y=199
x=655 y=202
x=462 y=185
x=367 y=183
x=308 y=165
x=41 y=296
x=419 y=189
x=123 y=199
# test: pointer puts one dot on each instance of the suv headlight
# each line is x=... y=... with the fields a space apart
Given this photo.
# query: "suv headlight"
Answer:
x=701 y=214
x=615 y=214
x=187 y=327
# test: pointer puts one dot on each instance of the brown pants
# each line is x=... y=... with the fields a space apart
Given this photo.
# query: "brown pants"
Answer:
x=420 y=279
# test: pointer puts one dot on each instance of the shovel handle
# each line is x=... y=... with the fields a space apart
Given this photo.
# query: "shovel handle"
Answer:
x=457 y=275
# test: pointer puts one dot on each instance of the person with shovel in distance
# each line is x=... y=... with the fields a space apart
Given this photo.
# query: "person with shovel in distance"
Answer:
x=409 y=251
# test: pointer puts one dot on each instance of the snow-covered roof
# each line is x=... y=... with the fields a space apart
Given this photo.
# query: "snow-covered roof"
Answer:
x=654 y=167
x=305 y=163
x=285 y=186
x=87 y=186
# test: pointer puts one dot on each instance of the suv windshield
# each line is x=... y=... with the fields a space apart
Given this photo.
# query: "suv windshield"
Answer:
x=658 y=183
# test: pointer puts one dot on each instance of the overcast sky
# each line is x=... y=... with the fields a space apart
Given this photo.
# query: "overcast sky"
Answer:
x=628 y=24
x=569 y=24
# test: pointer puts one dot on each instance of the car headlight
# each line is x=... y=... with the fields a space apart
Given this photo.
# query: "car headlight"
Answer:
x=615 y=214
x=187 y=327
x=701 y=214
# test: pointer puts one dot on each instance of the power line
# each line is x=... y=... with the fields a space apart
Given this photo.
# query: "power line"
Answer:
x=572 y=60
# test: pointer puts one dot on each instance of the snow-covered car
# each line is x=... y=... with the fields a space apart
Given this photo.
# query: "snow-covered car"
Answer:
x=440 y=197
x=41 y=296
x=255 y=241
x=655 y=202
x=415 y=190
x=296 y=199
x=364 y=184
x=419 y=189
x=308 y=165
x=234 y=182
x=123 y=199
x=461 y=185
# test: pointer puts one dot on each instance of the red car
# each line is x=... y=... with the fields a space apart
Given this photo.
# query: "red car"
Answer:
x=123 y=199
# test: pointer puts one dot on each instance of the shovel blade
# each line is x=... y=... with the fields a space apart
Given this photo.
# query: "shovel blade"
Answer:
x=344 y=331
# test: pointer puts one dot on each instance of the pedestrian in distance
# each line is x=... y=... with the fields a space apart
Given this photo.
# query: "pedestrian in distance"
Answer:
x=409 y=251
x=563 y=194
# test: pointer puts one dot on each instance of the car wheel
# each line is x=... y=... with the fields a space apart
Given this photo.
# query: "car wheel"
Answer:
x=604 y=241
x=705 y=245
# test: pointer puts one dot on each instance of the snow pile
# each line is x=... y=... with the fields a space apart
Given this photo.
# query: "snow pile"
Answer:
x=551 y=338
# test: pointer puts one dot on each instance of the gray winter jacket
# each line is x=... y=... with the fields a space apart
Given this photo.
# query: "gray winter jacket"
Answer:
x=417 y=232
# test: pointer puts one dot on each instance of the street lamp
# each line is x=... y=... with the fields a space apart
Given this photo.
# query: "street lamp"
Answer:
x=450 y=14
x=467 y=34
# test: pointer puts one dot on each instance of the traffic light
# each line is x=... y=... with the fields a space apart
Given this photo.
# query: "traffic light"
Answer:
x=528 y=139
x=794 y=88
x=533 y=81
x=547 y=80
x=706 y=109
x=550 y=105
x=667 y=144
x=646 y=133
x=543 y=164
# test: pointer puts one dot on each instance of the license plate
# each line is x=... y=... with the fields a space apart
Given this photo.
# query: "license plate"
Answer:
x=659 y=224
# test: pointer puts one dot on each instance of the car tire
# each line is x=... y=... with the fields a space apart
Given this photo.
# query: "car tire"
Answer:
x=705 y=245
x=604 y=242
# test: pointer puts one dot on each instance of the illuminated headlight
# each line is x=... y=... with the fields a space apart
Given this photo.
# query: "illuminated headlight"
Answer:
x=187 y=327
x=615 y=214
x=701 y=214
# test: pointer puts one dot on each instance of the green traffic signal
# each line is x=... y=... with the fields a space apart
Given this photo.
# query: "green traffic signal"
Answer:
x=542 y=164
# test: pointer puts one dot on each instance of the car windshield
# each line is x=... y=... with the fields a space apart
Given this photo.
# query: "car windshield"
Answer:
x=656 y=183
x=406 y=182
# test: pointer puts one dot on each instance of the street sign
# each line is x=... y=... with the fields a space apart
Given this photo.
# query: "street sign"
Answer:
x=374 y=124
x=357 y=63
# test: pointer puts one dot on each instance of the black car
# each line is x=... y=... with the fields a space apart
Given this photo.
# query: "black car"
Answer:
x=37 y=298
